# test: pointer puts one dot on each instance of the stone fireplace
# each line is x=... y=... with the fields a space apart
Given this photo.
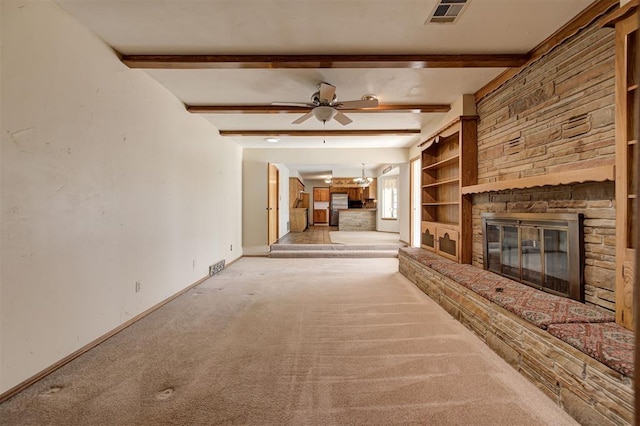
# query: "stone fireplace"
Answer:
x=595 y=202
x=542 y=250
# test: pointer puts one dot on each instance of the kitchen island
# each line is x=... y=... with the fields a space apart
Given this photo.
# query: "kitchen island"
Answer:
x=357 y=219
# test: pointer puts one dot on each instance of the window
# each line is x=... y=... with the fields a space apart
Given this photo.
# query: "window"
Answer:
x=390 y=197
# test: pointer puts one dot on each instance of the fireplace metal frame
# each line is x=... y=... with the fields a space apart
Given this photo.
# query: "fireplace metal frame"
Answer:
x=571 y=222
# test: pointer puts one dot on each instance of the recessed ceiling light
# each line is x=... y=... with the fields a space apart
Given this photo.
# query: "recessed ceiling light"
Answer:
x=272 y=140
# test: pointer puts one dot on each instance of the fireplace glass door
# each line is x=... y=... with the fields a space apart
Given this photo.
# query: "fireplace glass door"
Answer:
x=510 y=252
x=531 y=252
x=556 y=260
x=535 y=252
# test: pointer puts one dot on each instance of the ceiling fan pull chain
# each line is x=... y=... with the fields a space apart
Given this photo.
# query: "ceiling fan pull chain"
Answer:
x=324 y=127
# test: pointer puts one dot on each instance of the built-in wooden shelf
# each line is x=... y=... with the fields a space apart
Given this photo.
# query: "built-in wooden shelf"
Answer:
x=443 y=163
x=627 y=27
x=594 y=174
x=442 y=203
x=445 y=225
x=442 y=182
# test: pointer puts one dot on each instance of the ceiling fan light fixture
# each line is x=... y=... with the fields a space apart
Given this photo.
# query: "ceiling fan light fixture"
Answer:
x=272 y=140
x=324 y=113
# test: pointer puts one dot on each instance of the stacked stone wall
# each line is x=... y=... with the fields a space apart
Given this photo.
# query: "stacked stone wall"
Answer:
x=556 y=115
x=589 y=391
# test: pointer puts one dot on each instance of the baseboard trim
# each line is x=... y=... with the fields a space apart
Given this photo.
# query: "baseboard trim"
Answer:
x=44 y=373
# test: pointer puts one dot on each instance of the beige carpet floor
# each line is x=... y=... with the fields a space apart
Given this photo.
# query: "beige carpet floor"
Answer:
x=290 y=342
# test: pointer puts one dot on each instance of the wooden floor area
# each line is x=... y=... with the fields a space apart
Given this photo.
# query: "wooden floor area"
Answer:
x=311 y=235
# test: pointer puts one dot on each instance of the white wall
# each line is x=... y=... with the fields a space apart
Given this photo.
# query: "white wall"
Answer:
x=283 y=200
x=254 y=194
x=106 y=180
x=404 y=194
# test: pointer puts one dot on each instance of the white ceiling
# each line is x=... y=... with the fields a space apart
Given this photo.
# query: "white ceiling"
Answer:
x=321 y=27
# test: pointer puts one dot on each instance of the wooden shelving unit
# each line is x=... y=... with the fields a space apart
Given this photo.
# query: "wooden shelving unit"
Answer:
x=626 y=161
x=448 y=163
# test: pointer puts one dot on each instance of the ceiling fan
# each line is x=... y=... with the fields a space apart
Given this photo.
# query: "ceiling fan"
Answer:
x=326 y=106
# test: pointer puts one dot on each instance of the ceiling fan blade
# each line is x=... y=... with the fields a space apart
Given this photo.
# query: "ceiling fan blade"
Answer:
x=304 y=118
x=293 y=104
x=342 y=119
x=327 y=92
x=366 y=103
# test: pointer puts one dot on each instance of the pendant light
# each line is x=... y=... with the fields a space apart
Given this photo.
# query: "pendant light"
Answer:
x=363 y=181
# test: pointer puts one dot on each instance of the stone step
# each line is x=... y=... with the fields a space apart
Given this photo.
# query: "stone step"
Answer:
x=333 y=253
x=333 y=247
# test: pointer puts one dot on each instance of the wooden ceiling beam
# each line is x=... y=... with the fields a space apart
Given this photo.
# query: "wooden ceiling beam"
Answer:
x=323 y=61
x=277 y=109
x=264 y=133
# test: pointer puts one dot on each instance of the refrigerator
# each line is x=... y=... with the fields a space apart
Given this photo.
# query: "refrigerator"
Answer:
x=339 y=200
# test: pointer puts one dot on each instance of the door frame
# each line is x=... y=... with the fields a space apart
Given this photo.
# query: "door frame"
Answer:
x=414 y=203
x=273 y=208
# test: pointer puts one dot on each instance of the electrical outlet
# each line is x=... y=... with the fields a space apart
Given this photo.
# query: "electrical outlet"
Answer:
x=138 y=286
x=215 y=268
x=230 y=247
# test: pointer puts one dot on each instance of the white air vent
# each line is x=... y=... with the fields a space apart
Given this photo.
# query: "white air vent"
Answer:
x=447 y=11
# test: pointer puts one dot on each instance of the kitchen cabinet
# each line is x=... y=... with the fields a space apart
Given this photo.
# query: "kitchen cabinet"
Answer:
x=320 y=194
x=370 y=192
x=303 y=200
x=320 y=216
x=355 y=193
x=295 y=188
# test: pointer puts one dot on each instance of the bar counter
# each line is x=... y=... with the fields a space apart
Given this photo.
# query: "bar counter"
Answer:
x=357 y=219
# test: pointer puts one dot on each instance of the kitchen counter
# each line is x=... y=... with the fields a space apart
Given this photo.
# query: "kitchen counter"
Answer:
x=357 y=219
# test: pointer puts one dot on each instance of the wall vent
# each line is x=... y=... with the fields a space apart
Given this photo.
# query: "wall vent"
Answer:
x=576 y=126
x=513 y=146
x=447 y=11
x=216 y=267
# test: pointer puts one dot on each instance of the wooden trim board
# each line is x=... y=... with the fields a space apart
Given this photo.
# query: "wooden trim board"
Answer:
x=617 y=15
x=594 y=174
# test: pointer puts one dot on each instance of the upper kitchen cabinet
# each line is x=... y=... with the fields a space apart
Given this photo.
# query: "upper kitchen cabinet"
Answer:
x=295 y=189
x=320 y=194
